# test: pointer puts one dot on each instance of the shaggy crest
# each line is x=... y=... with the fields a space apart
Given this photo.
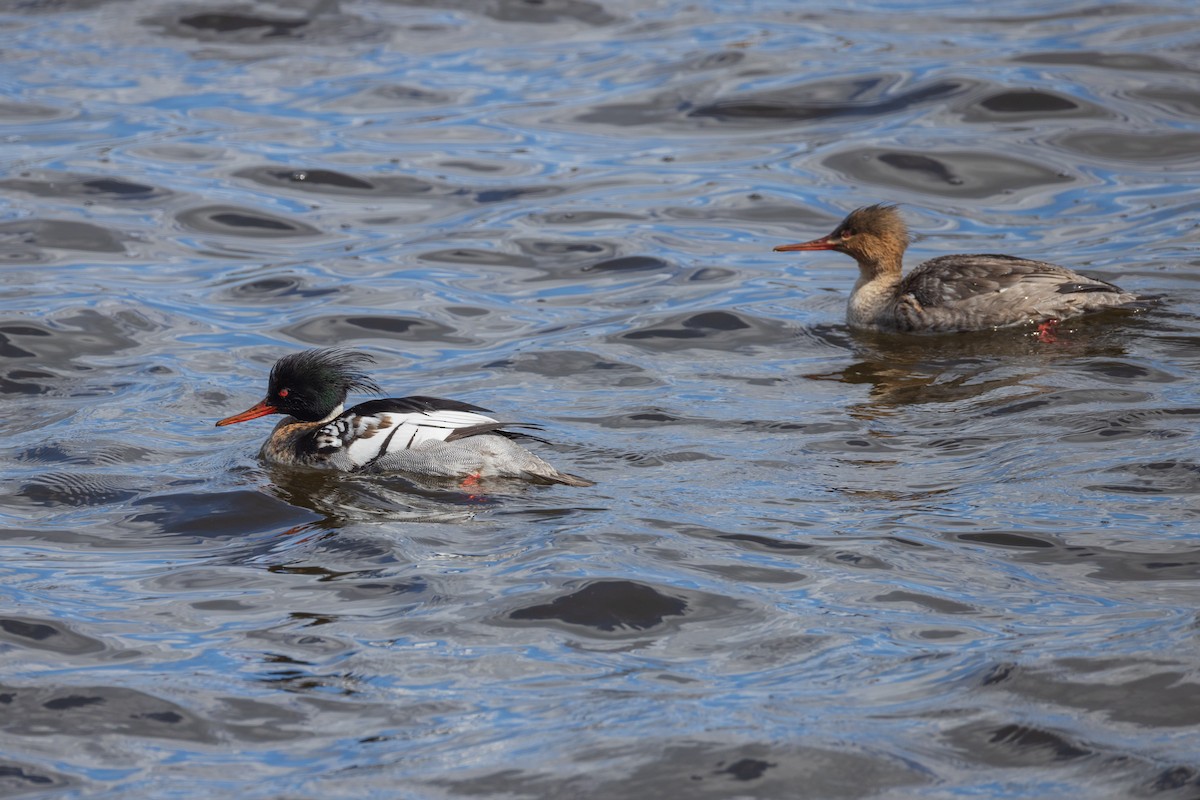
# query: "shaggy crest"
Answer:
x=881 y=220
x=311 y=384
x=330 y=367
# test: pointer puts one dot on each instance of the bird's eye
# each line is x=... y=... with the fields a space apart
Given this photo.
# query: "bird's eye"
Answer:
x=284 y=392
x=847 y=233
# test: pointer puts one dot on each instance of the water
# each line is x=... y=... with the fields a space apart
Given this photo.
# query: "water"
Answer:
x=815 y=563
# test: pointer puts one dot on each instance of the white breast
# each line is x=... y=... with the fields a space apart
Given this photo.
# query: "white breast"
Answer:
x=364 y=438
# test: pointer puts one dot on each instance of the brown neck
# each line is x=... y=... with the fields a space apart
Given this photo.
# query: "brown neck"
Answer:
x=879 y=258
x=283 y=443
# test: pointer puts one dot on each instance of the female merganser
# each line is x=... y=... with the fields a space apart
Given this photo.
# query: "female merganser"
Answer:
x=421 y=435
x=952 y=293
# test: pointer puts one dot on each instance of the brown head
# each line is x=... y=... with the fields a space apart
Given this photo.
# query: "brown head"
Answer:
x=874 y=236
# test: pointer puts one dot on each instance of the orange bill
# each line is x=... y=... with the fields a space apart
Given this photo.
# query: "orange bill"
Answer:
x=254 y=412
x=824 y=243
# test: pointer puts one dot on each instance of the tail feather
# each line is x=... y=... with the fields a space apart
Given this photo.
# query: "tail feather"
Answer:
x=564 y=478
x=494 y=427
x=1074 y=288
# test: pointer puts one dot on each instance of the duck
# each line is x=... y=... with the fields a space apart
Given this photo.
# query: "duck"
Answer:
x=955 y=292
x=425 y=436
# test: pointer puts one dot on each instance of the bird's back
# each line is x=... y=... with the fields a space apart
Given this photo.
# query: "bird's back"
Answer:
x=973 y=292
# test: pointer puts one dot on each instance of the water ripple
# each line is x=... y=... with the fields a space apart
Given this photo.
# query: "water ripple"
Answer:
x=868 y=565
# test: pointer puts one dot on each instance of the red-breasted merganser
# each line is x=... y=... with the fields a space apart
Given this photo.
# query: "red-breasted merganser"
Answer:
x=420 y=435
x=952 y=293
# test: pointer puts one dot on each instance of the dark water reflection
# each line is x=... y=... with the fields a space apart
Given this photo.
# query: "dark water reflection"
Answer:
x=816 y=563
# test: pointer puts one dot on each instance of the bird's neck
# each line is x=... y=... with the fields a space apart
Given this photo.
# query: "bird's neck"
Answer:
x=873 y=292
x=285 y=444
x=332 y=415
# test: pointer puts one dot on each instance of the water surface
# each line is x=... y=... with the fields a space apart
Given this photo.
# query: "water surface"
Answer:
x=815 y=563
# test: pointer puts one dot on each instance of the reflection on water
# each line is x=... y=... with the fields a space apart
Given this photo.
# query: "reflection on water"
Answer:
x=863 y=565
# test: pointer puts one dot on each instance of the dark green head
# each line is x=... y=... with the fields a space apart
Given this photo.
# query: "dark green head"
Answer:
x=310 y=385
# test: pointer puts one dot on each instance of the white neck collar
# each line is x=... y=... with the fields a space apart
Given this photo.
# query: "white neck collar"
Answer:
x=332 y=415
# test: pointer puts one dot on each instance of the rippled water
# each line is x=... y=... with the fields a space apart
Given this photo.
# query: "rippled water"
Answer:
x=815 y=564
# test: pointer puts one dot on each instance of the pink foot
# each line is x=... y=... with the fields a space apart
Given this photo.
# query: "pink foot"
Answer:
x=1046 y=330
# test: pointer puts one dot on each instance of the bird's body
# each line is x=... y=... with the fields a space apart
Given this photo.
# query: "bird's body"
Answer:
x=421 y=435
x=956 y=292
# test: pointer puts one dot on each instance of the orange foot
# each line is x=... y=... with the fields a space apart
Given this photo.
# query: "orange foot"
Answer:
x=296 y=530
x=472 y=480
x=1045 y=332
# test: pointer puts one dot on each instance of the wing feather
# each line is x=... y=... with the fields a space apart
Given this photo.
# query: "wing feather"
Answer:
x=372 y=430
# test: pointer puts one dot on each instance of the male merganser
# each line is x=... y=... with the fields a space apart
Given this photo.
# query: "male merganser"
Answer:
x=952 y=293
x=420 y=435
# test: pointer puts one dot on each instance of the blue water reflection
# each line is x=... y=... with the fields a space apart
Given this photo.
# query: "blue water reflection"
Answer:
x=815 y=562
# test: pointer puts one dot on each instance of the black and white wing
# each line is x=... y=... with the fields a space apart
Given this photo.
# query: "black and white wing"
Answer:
x=370 y=431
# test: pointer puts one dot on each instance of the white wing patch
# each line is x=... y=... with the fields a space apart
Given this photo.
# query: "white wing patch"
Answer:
x=363 y=438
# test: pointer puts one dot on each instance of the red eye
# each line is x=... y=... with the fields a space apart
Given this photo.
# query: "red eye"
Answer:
x=283 y=392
